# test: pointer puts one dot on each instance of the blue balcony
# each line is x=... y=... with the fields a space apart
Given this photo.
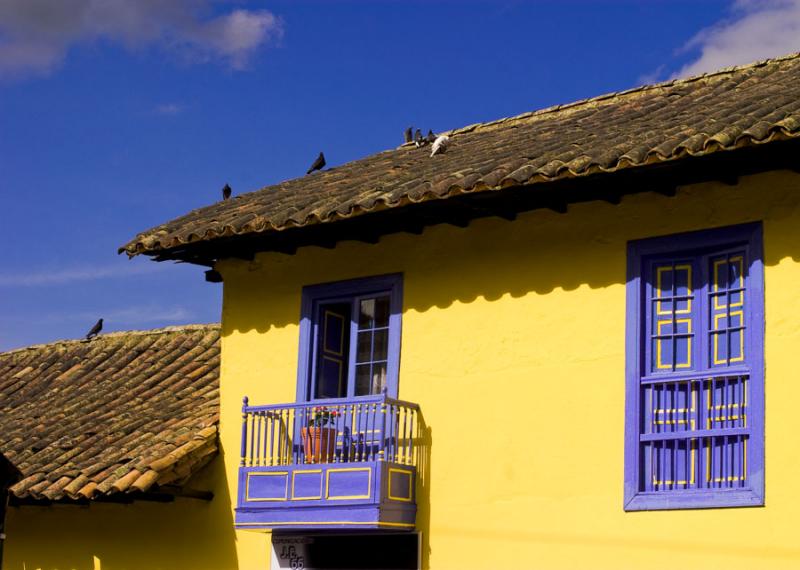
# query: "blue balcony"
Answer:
x=337 y=465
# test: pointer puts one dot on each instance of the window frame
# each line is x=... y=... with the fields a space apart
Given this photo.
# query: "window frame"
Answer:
x=314 y=295
x=750 y=237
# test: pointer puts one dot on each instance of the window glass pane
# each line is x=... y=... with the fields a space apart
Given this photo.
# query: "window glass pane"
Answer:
x=662 y=354
x=381 y=349
x=683 y=352
x=363 y=379
x=682 y=277
x=378 y=377
x=663 y=281
x=382 y=311
x=727 y=307
x=366 y=314
x=671 y=318
x=370 y=379
x=663 y=309
x=736 y=348
x=364 y=351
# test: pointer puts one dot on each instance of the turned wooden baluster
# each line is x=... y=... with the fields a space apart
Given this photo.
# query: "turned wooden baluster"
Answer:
x=244 y=431
x=397 y=431
x=382 y=440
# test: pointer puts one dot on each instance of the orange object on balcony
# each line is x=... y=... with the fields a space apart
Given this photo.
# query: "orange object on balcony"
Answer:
x=319 y=444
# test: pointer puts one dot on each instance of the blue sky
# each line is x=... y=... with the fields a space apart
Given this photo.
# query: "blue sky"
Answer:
x=118 y=115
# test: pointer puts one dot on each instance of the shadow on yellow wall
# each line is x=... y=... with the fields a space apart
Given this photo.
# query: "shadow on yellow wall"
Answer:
x=185 y=534
x=516 y=329
x=539 y=253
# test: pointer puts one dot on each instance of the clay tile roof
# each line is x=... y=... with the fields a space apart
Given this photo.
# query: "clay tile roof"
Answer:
x=724 y=110
x=122 y=413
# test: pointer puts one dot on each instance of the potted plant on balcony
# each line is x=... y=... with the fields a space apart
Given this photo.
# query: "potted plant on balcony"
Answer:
x=319 y=440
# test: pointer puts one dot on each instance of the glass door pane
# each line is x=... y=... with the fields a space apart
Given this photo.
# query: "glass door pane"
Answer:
x=372 y=345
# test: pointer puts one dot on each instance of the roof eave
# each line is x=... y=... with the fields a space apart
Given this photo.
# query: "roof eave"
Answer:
x=461 y=207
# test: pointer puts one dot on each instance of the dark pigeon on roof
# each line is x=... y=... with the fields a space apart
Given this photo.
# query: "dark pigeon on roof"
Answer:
x=95 y=330
x=318 y=164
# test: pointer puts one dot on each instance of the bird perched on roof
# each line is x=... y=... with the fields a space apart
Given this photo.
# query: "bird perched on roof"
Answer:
x=418 y=140
x=440 y=145
x=318 y=164
x=407 y=135
x=226 y=192
x=95 y=330
x=431 y=138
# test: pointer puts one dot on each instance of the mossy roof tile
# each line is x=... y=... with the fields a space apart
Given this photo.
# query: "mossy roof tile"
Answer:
x=80 y=419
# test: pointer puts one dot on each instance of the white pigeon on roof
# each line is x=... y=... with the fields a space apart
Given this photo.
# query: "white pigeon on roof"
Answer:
x=440 y=145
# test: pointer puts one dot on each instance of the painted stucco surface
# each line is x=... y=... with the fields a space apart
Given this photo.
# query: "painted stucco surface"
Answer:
x=513 y=345
x=185 y=534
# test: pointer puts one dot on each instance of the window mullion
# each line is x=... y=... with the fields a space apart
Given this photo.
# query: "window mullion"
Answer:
x=351 y=357
x=702 y=313
x=314 y=355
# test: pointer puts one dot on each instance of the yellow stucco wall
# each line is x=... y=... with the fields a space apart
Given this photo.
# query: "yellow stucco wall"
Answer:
x=187 y=534
x=513 y=345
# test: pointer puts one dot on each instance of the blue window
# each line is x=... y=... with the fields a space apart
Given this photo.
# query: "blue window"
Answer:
x=350 y=338
x=695 y=370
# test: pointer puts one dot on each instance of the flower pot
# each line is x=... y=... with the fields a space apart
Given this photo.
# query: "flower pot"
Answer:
x=319 y=444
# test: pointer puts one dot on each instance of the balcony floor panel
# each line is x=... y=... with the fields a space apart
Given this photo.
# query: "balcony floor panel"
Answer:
x=363 y=495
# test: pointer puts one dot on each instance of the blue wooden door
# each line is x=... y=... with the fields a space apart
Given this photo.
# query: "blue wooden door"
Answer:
x=333 y=350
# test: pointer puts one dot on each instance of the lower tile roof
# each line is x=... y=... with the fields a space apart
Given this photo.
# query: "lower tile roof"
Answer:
x=122 y=413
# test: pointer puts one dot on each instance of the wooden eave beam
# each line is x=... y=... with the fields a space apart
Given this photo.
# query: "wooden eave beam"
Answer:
x=116 y=498
x=187 y=493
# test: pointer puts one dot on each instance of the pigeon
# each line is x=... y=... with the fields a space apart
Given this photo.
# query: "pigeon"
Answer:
x=95 y=330
x=431 y=138
x=440 y=145
x=407 y=134
x=418 y=140
x=226 y=192
x=318 y=164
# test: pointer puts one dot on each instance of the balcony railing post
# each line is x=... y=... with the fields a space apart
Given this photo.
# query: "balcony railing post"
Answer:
x=382 y=440
x=244 y=430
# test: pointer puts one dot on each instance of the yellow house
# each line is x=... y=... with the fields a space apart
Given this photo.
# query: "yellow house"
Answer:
x=563 y=340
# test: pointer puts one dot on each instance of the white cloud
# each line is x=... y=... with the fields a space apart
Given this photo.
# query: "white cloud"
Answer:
x=169 y=109
x=759 y=29
x=237 y=34
x=73 y=274
x=113 y=318
x=36 y=35
x=146 y=314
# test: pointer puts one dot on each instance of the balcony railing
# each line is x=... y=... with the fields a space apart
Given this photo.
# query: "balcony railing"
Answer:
x=329 y=464
x=368 y=429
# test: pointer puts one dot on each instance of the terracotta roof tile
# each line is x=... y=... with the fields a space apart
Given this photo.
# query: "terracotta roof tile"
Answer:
x=121 y=413
x=718 y=111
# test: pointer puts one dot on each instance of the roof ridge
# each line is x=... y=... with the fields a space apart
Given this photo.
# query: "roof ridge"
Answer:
x=615 y=94
x=116 y=334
